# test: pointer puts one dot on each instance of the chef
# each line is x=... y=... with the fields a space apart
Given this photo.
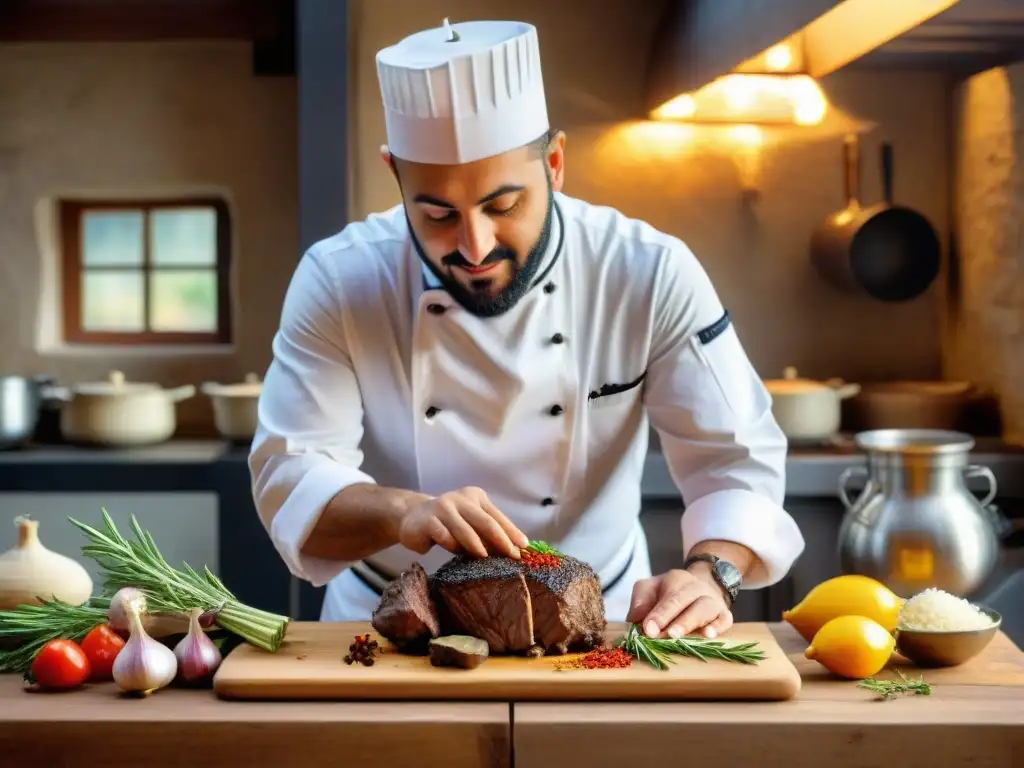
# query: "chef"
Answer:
x=480 y=365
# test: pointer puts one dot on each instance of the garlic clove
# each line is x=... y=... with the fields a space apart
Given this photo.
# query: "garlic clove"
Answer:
x=30 y=571
x=198 y=656
x=144 y=664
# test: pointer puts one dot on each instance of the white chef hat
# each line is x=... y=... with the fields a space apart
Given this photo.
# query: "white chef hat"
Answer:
x=461 y=92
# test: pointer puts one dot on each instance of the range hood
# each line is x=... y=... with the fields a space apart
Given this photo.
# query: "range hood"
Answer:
x=757 y=61
x=969 y=37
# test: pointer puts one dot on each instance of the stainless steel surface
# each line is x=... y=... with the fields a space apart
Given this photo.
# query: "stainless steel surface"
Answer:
x=915 y=524
x=19 y=410
x=814 y=472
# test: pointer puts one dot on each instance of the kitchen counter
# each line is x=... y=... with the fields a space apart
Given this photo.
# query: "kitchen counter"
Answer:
x=812 y=471
x=975 y=715
x=248 y=561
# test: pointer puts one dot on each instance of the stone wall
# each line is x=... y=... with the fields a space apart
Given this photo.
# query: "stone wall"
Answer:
x=984 y=328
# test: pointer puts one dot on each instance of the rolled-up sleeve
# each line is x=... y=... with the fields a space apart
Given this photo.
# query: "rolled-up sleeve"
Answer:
x=310 y=422
x=723 y=447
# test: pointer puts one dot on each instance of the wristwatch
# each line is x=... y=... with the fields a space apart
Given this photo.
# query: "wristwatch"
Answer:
x=726 y=574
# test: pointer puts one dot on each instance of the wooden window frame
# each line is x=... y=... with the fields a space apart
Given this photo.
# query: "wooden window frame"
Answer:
x=71 y=220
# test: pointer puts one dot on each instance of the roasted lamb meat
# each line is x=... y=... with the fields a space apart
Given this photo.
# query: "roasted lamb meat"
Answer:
x=486 y=598
x=406 y=614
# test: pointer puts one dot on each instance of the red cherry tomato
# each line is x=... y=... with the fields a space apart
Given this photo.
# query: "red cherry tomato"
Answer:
x=101 y=647
x=60 y=665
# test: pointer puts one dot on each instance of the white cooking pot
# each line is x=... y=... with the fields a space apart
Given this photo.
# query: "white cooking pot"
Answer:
x=118 y=413
x=235 y=406
x=808 y=410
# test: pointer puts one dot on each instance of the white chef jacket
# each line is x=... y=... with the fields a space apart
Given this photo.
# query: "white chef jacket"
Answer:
x=379 y=376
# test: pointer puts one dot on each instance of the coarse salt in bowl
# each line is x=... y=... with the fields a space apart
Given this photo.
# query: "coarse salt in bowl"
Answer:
x=936 y=610
x=937 y=629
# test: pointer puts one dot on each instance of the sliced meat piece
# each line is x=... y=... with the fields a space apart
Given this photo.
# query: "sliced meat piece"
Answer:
x=458 y=651
x=406 y=614
x=486 y=598
x=568 y=607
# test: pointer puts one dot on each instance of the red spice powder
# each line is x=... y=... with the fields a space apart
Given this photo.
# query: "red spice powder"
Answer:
x=607 y=658
x=599 y=658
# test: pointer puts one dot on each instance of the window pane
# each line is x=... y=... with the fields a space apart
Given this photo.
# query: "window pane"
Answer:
x=112 y=301
x=184 y=236
x=184 y=301
x=112 y=238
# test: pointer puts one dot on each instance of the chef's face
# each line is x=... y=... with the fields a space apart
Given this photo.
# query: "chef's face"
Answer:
x=482 y=228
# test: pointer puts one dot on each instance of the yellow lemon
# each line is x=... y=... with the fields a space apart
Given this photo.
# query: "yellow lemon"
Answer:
x=849 y=595
x=852 y=646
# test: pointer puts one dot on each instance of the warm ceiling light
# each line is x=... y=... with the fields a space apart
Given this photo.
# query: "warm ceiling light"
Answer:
x=854 y=28
x=777 y=86
x=750 y=99
x=778 y=58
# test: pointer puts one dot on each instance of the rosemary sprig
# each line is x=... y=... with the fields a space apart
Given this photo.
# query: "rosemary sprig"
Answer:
x=890 y=689
x=139 y=564
x=659 y=652
x=30 y=627
x=543 y=548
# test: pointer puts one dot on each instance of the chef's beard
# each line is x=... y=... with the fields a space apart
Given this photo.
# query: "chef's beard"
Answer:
x=479 y=302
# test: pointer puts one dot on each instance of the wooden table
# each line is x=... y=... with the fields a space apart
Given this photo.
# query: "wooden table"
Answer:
x=96 y=728
x=974 y=716
x=978 y=722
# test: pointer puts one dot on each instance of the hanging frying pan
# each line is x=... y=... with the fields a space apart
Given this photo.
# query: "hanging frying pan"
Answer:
x=890 y=252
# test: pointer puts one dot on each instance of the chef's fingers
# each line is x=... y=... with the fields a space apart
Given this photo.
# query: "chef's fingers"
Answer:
x=695 y=616
x=645 y=595
x=441 y=536
x=516 y=536
x=490 y=531
x=449 y=514
x=719 y=625
x=416 y=533
x=674 y=598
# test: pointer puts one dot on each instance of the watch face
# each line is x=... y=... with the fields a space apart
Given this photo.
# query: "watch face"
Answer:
x=729 y=574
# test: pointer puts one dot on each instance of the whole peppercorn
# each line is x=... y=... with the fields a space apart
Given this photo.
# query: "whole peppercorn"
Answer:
x=362 y=650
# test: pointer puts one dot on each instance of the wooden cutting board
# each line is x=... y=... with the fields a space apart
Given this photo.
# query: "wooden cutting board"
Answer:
x=309 y=666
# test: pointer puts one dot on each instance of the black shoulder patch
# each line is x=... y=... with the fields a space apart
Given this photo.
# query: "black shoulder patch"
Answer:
x=714 y=330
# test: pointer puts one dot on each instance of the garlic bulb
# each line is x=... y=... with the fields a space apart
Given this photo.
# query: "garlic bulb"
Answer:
x=29 y=571
x=198 y=656
x=144 y=664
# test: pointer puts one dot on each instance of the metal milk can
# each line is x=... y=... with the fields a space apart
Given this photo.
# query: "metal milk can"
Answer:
x=915 y=524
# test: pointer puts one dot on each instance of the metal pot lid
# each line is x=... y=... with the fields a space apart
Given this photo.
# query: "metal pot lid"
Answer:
x=251 y=387
x=114 y=386
x=791 y=384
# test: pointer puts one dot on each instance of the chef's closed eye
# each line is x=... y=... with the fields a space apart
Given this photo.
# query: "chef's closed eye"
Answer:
x=438 y=215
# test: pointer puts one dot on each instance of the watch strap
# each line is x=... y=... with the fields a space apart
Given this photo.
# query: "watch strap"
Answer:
x=732 y=590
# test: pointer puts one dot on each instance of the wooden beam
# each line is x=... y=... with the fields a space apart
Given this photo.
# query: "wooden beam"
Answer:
x=138 y=20
x=323 y=72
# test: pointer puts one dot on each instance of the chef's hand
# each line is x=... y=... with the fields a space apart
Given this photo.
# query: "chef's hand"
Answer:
x=461 y=521
x=680 y=603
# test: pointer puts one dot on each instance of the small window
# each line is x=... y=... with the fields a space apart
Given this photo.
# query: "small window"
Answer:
x=152 y=272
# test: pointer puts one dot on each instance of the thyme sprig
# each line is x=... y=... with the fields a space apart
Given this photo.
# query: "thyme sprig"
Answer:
x=659 y=652
x=890 y=689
